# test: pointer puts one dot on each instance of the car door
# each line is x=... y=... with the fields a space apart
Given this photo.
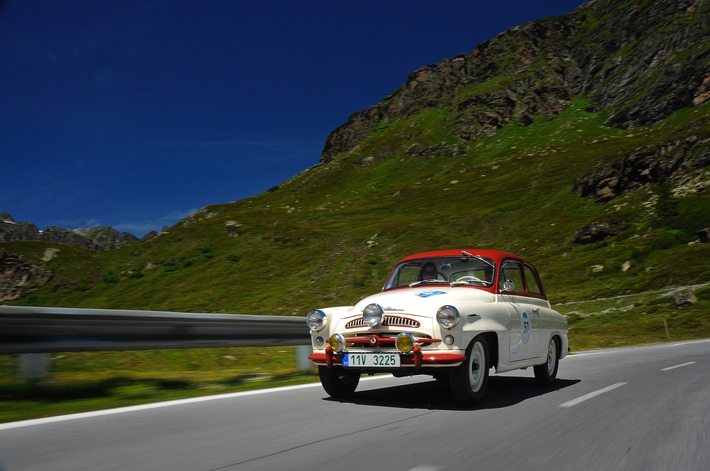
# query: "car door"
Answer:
x=525 y=320
x=538 y=306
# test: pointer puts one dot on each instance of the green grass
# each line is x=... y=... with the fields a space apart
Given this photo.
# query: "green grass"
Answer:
x=636 y=319
x=86 y=381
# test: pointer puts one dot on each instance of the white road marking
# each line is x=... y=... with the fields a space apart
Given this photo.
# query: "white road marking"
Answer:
x=581 y=399
x=632 y=348
x=585 y=354
x=155 y=405
x=678 y=366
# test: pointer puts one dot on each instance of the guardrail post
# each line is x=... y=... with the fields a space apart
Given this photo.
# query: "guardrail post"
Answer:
x=665 y=326
x=302 y=361
x=34 y=367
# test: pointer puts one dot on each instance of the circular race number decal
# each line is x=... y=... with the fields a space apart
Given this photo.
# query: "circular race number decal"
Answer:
x=525 y=327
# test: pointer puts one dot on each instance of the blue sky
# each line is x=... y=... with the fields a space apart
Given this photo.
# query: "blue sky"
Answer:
x=136 y=113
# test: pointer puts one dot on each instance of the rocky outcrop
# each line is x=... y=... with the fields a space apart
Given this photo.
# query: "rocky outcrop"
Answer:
x=597 y=231
x=19 y=276
x=643 y=60
x=443 y=149
x=11 y=230
x=637 y=60
x=66 y=236
x=96 y=238
x=645 y=166
x=684 y=299
x=106 y=237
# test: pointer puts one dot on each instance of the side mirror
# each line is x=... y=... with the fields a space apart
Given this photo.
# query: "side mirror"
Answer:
x=508 y=285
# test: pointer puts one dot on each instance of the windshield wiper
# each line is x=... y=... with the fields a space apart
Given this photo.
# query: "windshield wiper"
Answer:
x=426 y=282
x=478 y=257
x=484 y=283
x=458 y=283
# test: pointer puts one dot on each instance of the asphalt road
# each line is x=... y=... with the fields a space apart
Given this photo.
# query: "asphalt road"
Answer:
x=645 y=408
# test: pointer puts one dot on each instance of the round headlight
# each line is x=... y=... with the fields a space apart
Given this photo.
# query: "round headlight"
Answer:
x=315 y=320
x=447 y=316
x=336 y=342
x=405 y=342
x=373 y=315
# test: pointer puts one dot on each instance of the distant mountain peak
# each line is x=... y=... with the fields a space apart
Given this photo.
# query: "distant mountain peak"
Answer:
x=96 y=238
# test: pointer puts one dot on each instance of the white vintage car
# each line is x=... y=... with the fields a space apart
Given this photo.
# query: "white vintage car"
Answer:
x=452 y=314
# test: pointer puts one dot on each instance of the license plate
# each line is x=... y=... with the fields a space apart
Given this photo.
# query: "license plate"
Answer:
x=371 y=360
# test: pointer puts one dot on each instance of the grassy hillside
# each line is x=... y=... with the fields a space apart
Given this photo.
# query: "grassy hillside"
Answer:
x=330 y=235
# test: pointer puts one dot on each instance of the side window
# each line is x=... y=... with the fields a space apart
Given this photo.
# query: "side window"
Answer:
x=533 y=283
x=511 y=277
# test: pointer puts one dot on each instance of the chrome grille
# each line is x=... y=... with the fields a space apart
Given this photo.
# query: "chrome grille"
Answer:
x=389 y=321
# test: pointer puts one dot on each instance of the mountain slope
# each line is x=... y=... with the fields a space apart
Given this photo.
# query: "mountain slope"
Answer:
x=531 y=143
x=638 y=60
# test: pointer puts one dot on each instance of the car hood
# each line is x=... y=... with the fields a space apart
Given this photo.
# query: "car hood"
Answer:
x=424 y=301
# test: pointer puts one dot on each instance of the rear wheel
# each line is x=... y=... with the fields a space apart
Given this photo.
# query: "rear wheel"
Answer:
x=338 y=381
x=546 y=373
x=470 y=379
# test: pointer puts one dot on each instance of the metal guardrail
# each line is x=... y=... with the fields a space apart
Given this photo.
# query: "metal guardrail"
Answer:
x=44 y=330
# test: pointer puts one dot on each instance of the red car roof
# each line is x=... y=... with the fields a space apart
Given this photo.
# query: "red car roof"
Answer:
x=495 y=255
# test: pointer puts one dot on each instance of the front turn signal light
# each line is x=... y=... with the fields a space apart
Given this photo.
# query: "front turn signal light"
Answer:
x=336 y=342
x=405 y=342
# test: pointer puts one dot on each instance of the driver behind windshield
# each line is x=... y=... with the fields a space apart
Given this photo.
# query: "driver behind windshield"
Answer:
x=428 y=272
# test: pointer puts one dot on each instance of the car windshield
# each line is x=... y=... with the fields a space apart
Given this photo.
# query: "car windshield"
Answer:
x=464 y=270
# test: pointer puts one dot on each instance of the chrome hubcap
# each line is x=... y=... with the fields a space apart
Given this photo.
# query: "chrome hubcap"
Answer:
x=551 y=356
x=477 y=367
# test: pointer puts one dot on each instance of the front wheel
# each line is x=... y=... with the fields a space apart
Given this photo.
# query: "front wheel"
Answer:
x=470 y=379
x=546 y=373
x=338 y=381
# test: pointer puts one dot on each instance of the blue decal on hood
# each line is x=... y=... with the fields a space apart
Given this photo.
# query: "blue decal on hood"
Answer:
x=426 y=294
